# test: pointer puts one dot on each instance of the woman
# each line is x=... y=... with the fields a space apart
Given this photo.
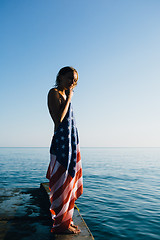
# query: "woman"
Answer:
x=65 y=170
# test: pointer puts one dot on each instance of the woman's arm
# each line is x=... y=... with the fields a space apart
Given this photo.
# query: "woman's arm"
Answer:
x=57 y=109
x=65 y=107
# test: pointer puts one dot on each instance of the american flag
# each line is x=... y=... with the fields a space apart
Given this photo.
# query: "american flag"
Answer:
x=64 y=173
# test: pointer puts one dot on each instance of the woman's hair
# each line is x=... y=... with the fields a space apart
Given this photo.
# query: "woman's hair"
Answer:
x=63 y=71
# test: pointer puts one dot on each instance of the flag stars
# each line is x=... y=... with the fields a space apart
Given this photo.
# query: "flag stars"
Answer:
x=66 y=141
x=61 y=129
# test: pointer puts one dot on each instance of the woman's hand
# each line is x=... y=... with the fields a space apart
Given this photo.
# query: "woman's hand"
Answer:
x=69 y=94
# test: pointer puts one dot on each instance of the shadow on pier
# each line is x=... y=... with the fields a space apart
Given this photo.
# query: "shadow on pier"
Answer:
x=24 y=215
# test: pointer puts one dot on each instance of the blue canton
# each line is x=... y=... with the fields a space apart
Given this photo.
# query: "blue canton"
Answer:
x=64 y=142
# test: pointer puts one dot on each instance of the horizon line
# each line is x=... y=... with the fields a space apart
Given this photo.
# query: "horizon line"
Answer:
x=82 y=147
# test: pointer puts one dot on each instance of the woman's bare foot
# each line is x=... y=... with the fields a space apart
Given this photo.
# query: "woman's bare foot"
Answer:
x=75 y=226
x=72 y=230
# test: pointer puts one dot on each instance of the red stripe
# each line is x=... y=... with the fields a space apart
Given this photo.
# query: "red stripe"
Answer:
x=52 y=211
x=57 y=175
x=71 y=205
x=79 y=192
x=78 y=157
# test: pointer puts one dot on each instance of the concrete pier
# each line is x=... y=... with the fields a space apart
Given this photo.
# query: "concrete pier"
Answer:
x=77 y=219
x=24 y=215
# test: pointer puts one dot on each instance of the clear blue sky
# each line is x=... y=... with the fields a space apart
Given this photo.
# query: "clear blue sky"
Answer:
x=114 y=45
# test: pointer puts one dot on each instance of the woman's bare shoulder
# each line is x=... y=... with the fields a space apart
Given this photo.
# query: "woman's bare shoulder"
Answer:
x=53 y=92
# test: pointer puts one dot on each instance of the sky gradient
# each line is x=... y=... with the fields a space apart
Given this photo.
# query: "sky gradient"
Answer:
x=114 y=45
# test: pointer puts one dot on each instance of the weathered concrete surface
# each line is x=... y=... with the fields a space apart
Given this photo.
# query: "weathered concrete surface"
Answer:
x=24 y=215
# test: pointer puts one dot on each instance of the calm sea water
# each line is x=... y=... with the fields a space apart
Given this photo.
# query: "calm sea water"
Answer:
x=121 y=197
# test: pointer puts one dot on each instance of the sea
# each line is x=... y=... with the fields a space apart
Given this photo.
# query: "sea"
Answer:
x=121 y=198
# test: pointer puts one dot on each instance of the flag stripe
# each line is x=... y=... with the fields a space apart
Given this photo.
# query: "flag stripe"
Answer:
x=51 y=166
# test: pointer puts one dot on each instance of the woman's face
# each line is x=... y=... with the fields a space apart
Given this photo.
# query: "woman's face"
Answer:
x=69 y=80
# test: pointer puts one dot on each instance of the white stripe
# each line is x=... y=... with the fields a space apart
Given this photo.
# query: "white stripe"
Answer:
x=52 y=162
x=53 y=216
x=78 y=166
x=56 y=166
x=78 y=148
